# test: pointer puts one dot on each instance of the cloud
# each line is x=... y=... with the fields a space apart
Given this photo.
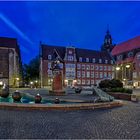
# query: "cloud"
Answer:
x=14 y=27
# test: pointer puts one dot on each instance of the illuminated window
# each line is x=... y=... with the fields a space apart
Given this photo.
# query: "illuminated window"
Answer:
x=92 y=67
x=88 y=74
x=88 y=67
x=130 y=54
x=78 y=66
x=100 y=60
x=49 y=57
x=93 y=60
x=87 y=59
x=80 y=59
x=106 y=61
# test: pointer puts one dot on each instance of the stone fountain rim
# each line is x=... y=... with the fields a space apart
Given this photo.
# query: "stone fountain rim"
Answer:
x=77 y=106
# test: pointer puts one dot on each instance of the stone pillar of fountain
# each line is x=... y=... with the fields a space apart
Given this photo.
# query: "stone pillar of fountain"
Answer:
x=57 y=84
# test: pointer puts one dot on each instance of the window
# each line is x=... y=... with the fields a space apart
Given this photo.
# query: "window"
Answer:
x=70 y=58
x=78 y=66
x=88 y=67
x=130 y=54
x=70 y=51
x=111 y=61
x=83 y=74
x=109 y=75
x=119 y=57
x=109 y=68
x=49 y=65
x=92 y=67
x=93 y=60
x=83 y=67
x=100 y=60
x=87 y=82
x=80 y=59
x=92 y=74
x=96 y=67
x=138 y=56
x=92 y=82
x=96 y=75
x=106 y=61
x=78 y=82
x=88 y=74
x=87 y=59
x=61 y=65
x=78 y=74
x=105 y=75
x=49 y=73
x=105 y=67
x=83 y=82
x=49 y=57
x=113 y=68
x=101 y=75
x=101 y=67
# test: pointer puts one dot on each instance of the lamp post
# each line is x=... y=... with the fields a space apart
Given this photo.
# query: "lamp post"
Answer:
x=17 y=82
x=117 y=69
x=127 y=76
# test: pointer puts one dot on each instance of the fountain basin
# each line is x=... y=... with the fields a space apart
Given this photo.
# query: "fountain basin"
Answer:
x=61 y=106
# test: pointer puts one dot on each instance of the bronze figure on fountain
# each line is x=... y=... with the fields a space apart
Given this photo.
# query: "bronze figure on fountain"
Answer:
x=57 y=71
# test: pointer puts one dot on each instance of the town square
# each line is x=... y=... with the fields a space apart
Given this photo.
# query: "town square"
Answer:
x=69 y=70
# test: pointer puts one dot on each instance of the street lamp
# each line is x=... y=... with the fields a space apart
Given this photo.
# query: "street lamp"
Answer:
x=127 y=66
x=117 y=68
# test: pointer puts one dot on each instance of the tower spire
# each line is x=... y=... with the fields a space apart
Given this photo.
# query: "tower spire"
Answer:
x=107 y=45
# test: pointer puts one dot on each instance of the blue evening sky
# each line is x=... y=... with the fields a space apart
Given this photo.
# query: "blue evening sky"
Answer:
x=81 y=24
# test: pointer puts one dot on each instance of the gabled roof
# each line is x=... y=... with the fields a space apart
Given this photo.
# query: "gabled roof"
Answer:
x=84 y=53
x=49 y=50
x=126 y=46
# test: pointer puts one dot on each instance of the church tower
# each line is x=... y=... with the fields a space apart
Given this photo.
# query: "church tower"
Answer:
x=107 y=45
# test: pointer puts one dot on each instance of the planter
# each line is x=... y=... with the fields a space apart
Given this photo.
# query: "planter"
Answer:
x=118 y=95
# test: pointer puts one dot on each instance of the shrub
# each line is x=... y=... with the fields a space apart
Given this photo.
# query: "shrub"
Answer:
x=104 y=84
x=111 y=83
x=123 y=90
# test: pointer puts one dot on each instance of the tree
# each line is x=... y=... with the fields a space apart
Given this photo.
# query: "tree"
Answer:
x=31 y=70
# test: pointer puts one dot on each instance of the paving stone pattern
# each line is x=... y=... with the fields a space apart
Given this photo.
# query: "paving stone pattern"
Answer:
x=118 y=123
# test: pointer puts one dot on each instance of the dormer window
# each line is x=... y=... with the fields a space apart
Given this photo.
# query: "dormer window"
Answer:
x=106 y=61
x=93 y=60
x=80 y=59
x=130 y=54
x=49 y=57
x=138 y=56
x=87 y=59
x=100 y=60
x=119 y=57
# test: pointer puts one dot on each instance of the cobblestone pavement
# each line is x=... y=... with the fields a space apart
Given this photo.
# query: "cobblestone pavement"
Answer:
x=117 y=123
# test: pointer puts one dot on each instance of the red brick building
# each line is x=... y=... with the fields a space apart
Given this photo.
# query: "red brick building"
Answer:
x=127 y=57
x=81 y=66
x=10 y=61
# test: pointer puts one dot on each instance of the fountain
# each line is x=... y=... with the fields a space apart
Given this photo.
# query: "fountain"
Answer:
x=57 y=84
